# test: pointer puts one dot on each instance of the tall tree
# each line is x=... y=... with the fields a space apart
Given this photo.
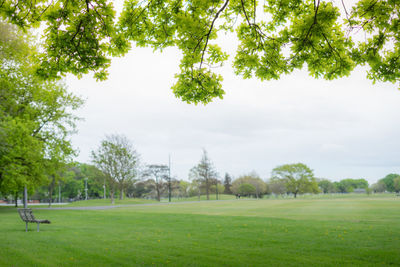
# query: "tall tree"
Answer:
x=298 y=178
x=204 y=173
x=275 y=37
x=118 y=160
x=36 y=118
x=227 y=184
x=158 y=173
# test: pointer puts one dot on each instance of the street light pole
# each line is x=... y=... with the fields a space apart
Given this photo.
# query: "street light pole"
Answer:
x=169 y=178
x=25 y=197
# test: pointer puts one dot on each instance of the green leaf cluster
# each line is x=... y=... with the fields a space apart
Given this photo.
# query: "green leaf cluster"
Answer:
x=275 y=37
x=298 y=178
x=391 y=182
x=118 y=161
x=35 y=116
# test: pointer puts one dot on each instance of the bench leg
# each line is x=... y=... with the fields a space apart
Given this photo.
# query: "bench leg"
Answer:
x=38 y=227
x=26 y=227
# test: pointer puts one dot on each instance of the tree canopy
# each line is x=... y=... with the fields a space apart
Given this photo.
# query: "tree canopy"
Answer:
x=241 y=185
x=298 y=178
x=118 y=160
x=276 y=37
x=36 y=116
x=390 y=182
x=158 y=173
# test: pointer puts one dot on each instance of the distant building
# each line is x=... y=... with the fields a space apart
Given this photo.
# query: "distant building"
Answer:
x=360 y=191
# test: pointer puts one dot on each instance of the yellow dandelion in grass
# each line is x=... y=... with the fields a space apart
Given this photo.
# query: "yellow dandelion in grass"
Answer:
x=158 y=240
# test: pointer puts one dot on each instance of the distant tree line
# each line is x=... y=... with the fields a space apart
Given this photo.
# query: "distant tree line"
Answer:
x=116 y=172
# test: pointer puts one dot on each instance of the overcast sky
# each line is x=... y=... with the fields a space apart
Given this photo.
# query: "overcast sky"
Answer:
x=346 y=128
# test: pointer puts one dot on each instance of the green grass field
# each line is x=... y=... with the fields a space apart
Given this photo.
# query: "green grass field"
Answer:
x=360 y=231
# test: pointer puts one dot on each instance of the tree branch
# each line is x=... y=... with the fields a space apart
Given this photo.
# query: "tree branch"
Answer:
x=211 y=27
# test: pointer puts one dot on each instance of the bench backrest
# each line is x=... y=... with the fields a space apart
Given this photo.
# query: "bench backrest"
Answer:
x=26 y=215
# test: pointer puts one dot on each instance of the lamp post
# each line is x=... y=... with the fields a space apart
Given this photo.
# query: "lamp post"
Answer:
x=25 y=197
x=169 y=178
x=86 y=188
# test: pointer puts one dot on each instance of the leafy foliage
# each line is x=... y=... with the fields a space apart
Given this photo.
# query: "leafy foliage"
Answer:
x=348 y=185
x=275 y=37
x=118 y=160
x=327 y=186
x=257 y=185
x=389 y=182
x=298 y=178
x=35 y=116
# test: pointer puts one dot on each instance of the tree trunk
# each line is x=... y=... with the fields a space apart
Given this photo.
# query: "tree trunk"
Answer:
x=295 y=194
x=112 y=196
x=158 y=192
x=121 y=195
x=51 y=186
x=16 y=199
x=207 y=187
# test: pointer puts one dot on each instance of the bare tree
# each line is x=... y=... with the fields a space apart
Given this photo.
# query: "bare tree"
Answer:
x=118 y=160
x=158 y=173
x=204 y=173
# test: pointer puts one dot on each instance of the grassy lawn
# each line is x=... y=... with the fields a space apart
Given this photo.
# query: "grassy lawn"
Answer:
x=363 y=231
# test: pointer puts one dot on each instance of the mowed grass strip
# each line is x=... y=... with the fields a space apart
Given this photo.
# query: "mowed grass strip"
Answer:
x=336 y=232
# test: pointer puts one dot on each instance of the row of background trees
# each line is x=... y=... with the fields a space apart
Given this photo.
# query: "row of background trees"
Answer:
x=117 y=172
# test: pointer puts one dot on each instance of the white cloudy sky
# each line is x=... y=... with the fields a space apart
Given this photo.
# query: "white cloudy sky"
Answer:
x=345 y=128
x=342 y=129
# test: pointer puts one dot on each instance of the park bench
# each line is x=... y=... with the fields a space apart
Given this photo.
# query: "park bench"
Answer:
x=28 y=217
